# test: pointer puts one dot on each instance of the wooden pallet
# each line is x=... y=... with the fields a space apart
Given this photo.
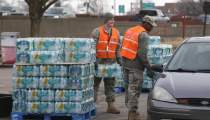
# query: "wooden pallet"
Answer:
x=74 y=116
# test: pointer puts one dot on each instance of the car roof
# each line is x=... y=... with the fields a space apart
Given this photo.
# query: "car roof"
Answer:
x=198 y=39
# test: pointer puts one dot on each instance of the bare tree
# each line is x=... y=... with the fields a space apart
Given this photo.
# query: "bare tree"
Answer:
x=36 y=11
x=94 y=7
x=190 y=8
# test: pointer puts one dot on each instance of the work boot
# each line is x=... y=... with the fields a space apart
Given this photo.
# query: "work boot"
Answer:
x=133 y=116
x=112 y=109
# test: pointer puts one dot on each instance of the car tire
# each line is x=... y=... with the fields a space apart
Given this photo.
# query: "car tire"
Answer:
x=149 y=117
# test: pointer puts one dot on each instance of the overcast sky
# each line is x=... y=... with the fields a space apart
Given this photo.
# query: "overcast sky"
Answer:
x=108 y=4
x=157 y=2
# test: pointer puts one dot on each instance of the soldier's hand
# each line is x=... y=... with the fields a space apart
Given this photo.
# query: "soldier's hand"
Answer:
x=150 y=73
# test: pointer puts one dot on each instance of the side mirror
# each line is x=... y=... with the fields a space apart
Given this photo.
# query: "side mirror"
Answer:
x=157 y=67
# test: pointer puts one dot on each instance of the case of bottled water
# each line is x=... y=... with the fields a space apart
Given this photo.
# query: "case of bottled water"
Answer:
x=33 y=95
x=50 y=70
x=23 y=57
x=79 y=70
x=80 y=95
x=47 y=95
x=160 y=50
x=80 y=82
x=47 y=44
x=19 y=106
x=24 y=44
x=27 y=70
x=78 y=57
x=31 y=82
x=78 y=44
x=111 y=70
x=49 y=82
x=154 y=40
x=19 y=94
x=46 y=57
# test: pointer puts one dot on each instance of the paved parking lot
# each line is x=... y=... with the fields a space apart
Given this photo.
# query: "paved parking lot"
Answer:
x=6 y=87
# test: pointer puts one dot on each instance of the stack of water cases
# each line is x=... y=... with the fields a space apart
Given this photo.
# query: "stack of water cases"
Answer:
x=54 y=75
x=157 y=54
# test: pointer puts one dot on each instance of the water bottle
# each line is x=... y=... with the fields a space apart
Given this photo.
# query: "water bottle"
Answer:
x=45 y=82
x=47 y=95
x=61 y=95
x=61 y=107
x=19 y=82
x=44 y=70
x=33 y=95
x=46 y=107
x=56 y=83
x=31 y=82
x=64 y=70
x=33 y=107
x=19 y=106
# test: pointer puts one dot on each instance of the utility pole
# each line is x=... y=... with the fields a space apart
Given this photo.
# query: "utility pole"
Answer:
x=141 y=4
x=114 y=7
x=87 y=5
x=206 y=9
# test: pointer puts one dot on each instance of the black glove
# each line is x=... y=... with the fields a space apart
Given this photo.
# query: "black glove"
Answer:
x=150 y=73
x=119 y=61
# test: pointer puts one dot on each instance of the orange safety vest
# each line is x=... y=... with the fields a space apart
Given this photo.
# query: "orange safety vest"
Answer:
x=130 y=42
x=106 y=46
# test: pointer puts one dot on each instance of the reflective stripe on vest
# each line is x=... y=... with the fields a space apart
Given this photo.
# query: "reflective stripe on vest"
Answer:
x=130 y=42
x=106 y=45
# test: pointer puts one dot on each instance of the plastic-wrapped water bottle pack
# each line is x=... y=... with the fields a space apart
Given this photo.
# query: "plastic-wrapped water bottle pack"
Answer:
x=56 y=70
x=55 y=50
x=154 y=40
x=160 y=50
x=74 y=107
x=109 y=70
x=157 y=54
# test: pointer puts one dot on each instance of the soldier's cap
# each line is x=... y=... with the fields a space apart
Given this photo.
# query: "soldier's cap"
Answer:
x=108 y=16
x=150 y=20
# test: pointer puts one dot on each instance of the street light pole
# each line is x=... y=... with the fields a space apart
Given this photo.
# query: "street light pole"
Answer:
x=141 y=4
x=114 y=7
x=204 y=25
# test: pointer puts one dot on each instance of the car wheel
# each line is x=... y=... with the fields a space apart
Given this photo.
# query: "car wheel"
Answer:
x=149 y=117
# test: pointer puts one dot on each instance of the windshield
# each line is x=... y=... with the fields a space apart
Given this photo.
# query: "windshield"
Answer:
x=57 y=11
x=148 y=12
x=191 y=57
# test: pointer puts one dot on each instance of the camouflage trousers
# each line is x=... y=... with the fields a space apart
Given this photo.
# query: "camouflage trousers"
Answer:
x=133 y=83
x=109 y=84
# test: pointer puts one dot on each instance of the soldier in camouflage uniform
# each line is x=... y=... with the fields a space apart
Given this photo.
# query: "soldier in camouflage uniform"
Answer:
x=134 y=61
x=107 y=44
